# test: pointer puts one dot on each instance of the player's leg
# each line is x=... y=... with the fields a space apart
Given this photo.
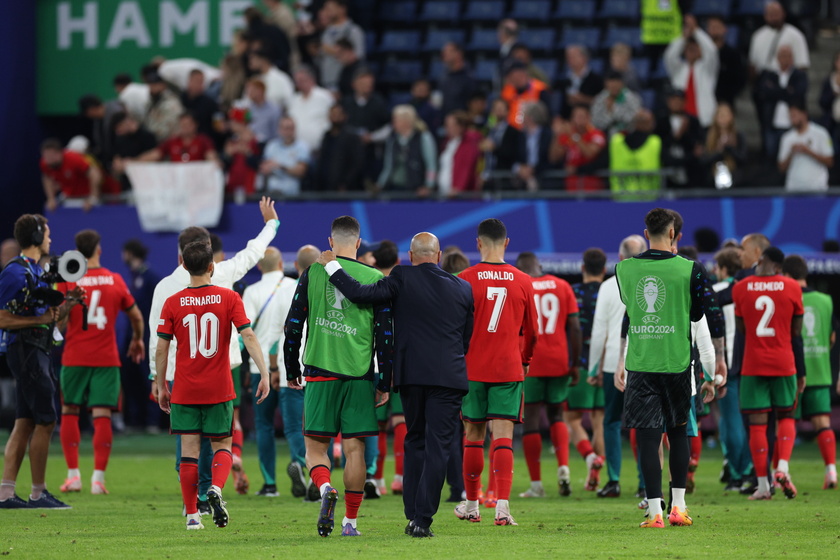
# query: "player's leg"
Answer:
x=535 y=389
x=382 y=447
x=815 y=404
x=733 y=435
x=400 y=430
x=74 y=382
x=188 y=474
x=783 y=393
x=371 y=450
x=240 y=479
x=505 y=404
x=474 y=414
x=217 y=426
x=266 y=444
x=613 y=407
x=756 y=403
x=103 y=398
x=557 y=397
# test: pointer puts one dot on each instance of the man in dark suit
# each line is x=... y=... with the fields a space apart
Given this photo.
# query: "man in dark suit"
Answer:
x=773 y=92
x=503 y=148
x=433 y=321
x=534 y=145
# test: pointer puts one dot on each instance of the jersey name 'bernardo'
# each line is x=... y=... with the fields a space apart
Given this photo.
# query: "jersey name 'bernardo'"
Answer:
x=495 y=275
x=201 y=300
x=765 y=286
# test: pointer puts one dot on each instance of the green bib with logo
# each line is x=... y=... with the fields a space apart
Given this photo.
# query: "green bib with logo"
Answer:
x=816 y=337
x=657 y=293
x=661 y=21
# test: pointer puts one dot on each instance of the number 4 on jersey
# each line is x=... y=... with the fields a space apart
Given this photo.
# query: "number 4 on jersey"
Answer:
x=96 y=313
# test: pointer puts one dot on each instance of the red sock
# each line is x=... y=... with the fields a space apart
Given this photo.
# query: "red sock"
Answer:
x=103 y=438
x=532 y=444
x=352 y=503
x=473 y=466
x=491 y=476
x=634 y=445
x=758 y=448
x=70 y=439
x=785 y=438
x=560 y=441
x=236 y=444
x=320 y=475
x=828 y=447
x=189 y=483
x=222 y=461
x=503 y=463
x=696 y=447
x=584 y=447
x=382 y=446
x=399 y=447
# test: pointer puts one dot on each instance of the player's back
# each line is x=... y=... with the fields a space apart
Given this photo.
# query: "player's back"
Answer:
x=504 y=308
x=555 y=301
x=816 y=337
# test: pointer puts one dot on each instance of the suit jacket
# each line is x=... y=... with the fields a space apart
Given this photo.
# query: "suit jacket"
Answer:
x=544 y=145
x=433 y=322
x=769 y=92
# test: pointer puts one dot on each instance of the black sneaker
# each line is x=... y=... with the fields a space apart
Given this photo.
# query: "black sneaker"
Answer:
x=733 y=485
x=295 y=472
x=725 y=474
x=640 y=492
x=313 y=493
x=749 y=486
x=409 y=529
x=610 y=490
x=268 y=491
x=371 y=490
x=204 y=507
x=15 y=502
x=47 y=501
x=422 y=532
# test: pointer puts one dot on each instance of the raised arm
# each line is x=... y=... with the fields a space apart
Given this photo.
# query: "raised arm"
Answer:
x=234 y=268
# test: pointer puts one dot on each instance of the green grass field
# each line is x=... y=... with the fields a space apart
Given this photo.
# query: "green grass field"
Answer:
x=141 y=518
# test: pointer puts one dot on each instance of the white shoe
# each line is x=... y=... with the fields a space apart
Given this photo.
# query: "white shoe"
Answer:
x=461 y=512
x=97 y=487
x=538 y=492
x=564 y=480
x=194 y=522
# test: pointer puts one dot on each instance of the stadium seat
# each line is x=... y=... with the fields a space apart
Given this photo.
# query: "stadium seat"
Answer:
x=751 y=7
x=485 y=70
x=630 y=36
x=597 y=66
x=436 y=69
x=398 y=12
x=398 y=98
x=436 y=38
x=589 y=37
x=483 y=40
x=370 y=43
x=399 y=41
x=620 y=9
x=441 y=11
x=642 y=67
x=649 y=99
x=707 y=8
x=485 y=10
x=401 y=71
x=660 y=73
x=549 y=66
x=575 y=10
x=531 y=10
x=537 y=39
x=733 y=33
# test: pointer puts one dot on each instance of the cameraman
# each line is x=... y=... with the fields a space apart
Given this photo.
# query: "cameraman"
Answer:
x=28 y=323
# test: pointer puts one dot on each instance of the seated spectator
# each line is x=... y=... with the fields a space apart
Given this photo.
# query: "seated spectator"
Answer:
x=273 y=41
x=342 y=157
x=285 y=161
x=421 y=94
x=339 y=26
x=768 y=39
x=68 y=175
x=692 y=65
x=614 y=108
x=241 y=155
x=458 y=167
x=581 y=84
x=131 y=140
x=621 y=62
x=523 y=55
x=163 y=109
x=278 y=86
x=535 y=145
x=101 y=116
x=637 y=151
x=732 y=76
x=578 y=146
x=184 y=146
x=367 y=112
x=234 y=68
x=477 y=111
x=521 y=90
x=456 y=85
x=310 y=108
x=682 y=141
x=501 y=147
x=805 y=152
x=265 y=115
x=410 y=163
x=133 y=96
x=198 y=103
x=774 y=91
x=726 y=146
x=350 y=64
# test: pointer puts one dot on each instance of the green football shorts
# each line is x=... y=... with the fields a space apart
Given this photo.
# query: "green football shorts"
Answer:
x=766 y=393
x=91 y=386
x=493 y=401
x=583 y=396
x=340 y=406
x=392 y=408
x=547 y=390
x=208 y=420
x=814 y=401
x=237 y=386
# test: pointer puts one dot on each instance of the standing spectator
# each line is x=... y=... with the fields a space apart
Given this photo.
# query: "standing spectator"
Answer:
x=241 y=154
x=477 y=111
x=196 y=101
x=186 y=145
x=130 y=142
x=272 y=40
x=163 y=109
x=725 y=146
x=368 y=116
x=682 y=141
x=421 y=93
x=410 y=163
x=101 y=116
x=350 y=64
x=578 y=146
x=234 y=69
x=502 y=146
x=523 y=55
x=457 y=171
x=507 y=33
x=339 y=26
x=581 y=84
x=536 y=142
x=520 y=90
x=285 y=161
x=134 y=96
x=830 y=97
x=278 y=86
x=732 y=75
x=265 y=115
x=456 y=84
x=281 y=15
x=342 y=157
x=806 y=153
x=766 y=41
x=637 y=151
x=615 y=107
x=774 y=91
x=66 y=174
x=621 y=62
x=310 y=108
x=692 y=64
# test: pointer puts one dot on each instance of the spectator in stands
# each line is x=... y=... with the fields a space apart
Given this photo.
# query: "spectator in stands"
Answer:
x=177 y=71
x=196 y=101
x=774 y=91
x=265 y=115
x=281 y=15
x=350 y=64
x=501 y=147
x=285 y=161
x=421 y=95
x=508 y=35
x=457 y=170
x=133 y=96
x=477 y=111
x=66 y=175
x=520 y=90
x=184 y=146
x=725 y=146
x=278 y=86
x=621 y=62
x=410 y=163
x=456 y=85
x=536 y=142
x=163 y=108
x=581 y=84
x=339 y=27
x=241 y=155
x=692 y=64
x=310 y=108
x=131 y=140
x=732 y=75
x=638 y=151
x=523 y=55
x=767 y=40
x=614 y=108
x=101 y=116
x=342 y=157
x=234 y=69
x=805 y=153
x=578 y=147
x=682 y=142
x=367 y=112
x=270 y=38
x=830 y=101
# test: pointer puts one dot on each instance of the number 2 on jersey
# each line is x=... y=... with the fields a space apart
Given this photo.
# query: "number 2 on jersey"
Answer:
x=500 y=295
x=96 y=313
x=204 y=334
x=548 y=310
x=769 y=306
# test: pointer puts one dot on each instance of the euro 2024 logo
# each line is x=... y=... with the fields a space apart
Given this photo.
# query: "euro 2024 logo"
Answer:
x=650 y=295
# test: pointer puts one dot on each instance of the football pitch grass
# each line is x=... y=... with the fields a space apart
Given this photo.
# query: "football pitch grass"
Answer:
x=141 y=518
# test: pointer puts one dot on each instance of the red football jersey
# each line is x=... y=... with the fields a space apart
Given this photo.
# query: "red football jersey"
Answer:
x=71 y=175
x=200 y=319
x=175 y=149
x=768 y=304
x=555 y=301
x=504 y=311
x=107 y=295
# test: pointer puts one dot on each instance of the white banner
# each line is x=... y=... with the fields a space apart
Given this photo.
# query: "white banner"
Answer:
x=172 y=196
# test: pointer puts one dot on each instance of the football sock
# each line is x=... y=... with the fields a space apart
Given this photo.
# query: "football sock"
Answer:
x=828 y=445
x=678 y=456
x=532 y=445
x=73 y=472
x=634 y=444
x=222 y=461
x=502 y=507
x=785 y=438
x=696 y=447
x=37 y=490
x=189 y=483
x=382 y=444
x=763 y=484
x=352 y=502
x=399 y=447
x=103 y=438
x=758 y=449
x=503 y=467
x=347 y=520
x=783 y=466
x=70 y=438
x=320 y=475
x=584 y=447
x=98 y=476
x=236 y=444
x=654 y=504
x=560 y=441
x=473 y=467
x=7 y=489
x=678 y=497
x=649 y=439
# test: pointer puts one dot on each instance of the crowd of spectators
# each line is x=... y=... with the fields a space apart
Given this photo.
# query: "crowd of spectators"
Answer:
x=294 y=107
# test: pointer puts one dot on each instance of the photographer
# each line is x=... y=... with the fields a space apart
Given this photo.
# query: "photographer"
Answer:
x=28 y=311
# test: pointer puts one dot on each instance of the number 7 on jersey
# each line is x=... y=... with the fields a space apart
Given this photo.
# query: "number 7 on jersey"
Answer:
x=500 y=295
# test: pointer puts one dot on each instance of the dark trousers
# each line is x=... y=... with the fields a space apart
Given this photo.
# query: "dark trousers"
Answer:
x=432 y=419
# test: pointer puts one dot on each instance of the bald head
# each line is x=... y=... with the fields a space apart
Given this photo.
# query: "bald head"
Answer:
x=753 y=246
x=425 y=248
x=272 y=261
x=9 y=249
x=306 y=255
x=630 y=246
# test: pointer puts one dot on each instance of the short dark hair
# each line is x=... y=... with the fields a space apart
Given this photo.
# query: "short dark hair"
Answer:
x=89 y=101
x=345 y=226
x=197 y=257
x=136 y=249
x=52 y=144
x=774 y=255
x=729 y=258
x=528 y=263
x=87 y=241
x=192 y=234
x=216 y=244
x=26 y=227
x=455 y=263
x=706 y=239
x=795 y=267
x=387 y=254
x=117 y=119
x=594 y=261
x=492 y=229
x=689 y=252
x=658 y=221
x=122 y=79
x=798 y=103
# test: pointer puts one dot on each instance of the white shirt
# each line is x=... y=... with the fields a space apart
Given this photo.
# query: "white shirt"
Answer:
x=705 y=73
x=762 y=40
x=225 y=274
x=447 y=165
x=729 y=318
x=781 y=114
x=135 y=97
x=805 y=173
x=311 y=115
x=606 y=327
x=176 y=71
x=279 y=88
